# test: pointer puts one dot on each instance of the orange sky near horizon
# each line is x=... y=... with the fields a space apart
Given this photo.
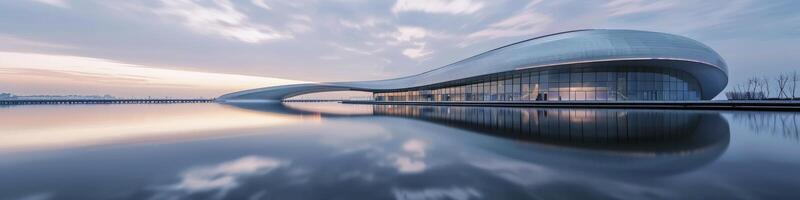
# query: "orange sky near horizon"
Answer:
x=34 y=74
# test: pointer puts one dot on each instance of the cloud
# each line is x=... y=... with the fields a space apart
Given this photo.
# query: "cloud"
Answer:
x=407 y=33
x=299 y=23
x=625 y=7
x=261 y=4
x=437 y=6
x=356 y=50
x=434 y=32
x=17 y=42
x=413 y=37
x=219 y=18
x=56 y=3
x=418 y=51
x=330 y=57
x=527 y=22
x=221 y=177
x=366 y=23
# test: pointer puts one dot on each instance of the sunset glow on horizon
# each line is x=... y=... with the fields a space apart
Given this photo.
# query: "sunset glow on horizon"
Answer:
x=30 y=73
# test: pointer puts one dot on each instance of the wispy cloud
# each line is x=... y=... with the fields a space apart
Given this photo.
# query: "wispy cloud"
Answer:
x=365 y=23
x=12 y=41
x=299 y=23
x=624 y=7
x=330 y=57
x=409 y=33
x=438 y=6
x=356 y=50
x=261 y=4
x=528 y=22
x=417 y=51
x=219 y=17
x=414 y=38
x=56 y=3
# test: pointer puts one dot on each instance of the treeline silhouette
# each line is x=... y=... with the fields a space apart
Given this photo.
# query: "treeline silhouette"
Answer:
x=784 y=87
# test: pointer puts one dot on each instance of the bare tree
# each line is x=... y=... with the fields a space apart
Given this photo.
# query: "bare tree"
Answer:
x=765 y=85
x=738 y=92
x=744 y=89
x=782 y=80
x=795 y=79
x=752 y=86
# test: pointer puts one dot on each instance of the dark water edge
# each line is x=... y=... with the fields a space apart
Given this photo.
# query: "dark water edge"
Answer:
x=722 y=105
x=334 y=151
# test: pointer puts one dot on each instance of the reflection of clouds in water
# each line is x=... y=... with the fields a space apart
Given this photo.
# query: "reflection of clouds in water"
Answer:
x=300 y=175
x=221 y=177
x=355 y=137
x=411 y=159
x=522 y=173
x=367 y=176
x=408 y=165
x=415 y=147
x=456 y=193
x=37 y=196
x=548 y=183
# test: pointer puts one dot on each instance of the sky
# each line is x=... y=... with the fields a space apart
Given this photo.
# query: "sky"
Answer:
x=205 y=48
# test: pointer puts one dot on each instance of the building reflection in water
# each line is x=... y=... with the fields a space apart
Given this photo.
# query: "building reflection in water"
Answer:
x=596 y=141
x=586 y=128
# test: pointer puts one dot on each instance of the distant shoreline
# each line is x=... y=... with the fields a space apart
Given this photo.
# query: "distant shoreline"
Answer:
x=101 y=101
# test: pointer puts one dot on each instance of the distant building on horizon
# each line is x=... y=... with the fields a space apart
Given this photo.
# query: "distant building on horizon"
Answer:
x=6 y=95
x=9 y=96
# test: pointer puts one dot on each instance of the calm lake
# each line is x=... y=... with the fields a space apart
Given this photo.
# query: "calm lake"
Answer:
x=339 y=151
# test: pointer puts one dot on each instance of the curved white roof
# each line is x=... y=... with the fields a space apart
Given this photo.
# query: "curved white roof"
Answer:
x=581 y=47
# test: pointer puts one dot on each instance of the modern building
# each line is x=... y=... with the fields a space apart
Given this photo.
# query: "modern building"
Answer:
x=582 y=65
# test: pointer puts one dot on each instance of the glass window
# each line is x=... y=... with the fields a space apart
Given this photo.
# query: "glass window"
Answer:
x=602 y=96
x=575 y=77
x=583 y=84
x=603 y=76
x=563 y=77
x=525 y=79
x=588 y=76
x=516 y=88
x=644 y=76
x=554 y=96
x=553 y=78
x=590 y=95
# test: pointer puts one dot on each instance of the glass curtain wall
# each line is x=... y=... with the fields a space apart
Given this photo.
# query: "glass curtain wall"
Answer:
x=583 y=84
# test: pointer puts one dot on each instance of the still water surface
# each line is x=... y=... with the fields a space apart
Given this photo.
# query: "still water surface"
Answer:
x=335 y=151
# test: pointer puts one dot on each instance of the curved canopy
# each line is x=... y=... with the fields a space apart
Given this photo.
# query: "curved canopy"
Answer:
x=582 y=47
